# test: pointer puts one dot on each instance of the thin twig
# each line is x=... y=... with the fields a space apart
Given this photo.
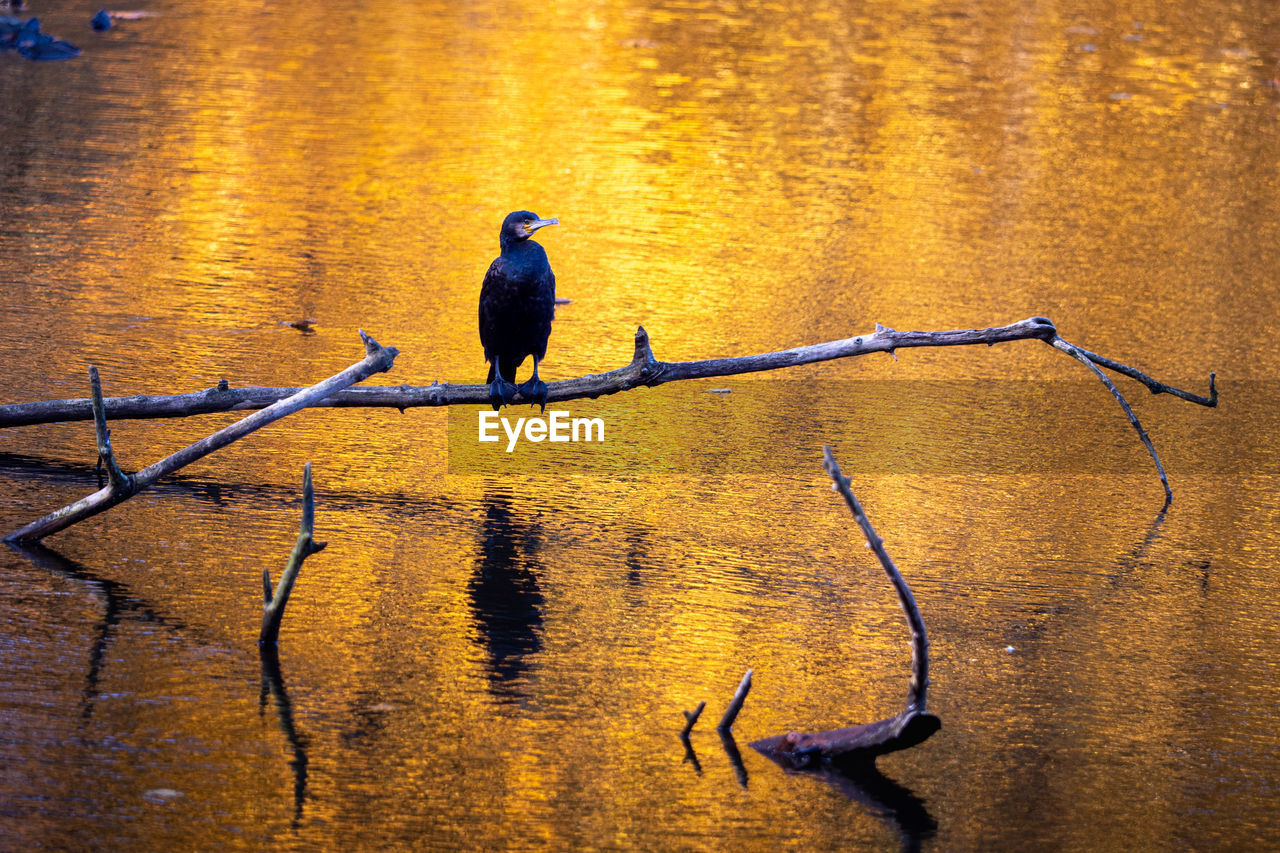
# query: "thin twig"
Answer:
x=305 y=546
x=1155 y=385
x=690 y=718
x=917 y=690
x=1083 y=358
x=739 y=696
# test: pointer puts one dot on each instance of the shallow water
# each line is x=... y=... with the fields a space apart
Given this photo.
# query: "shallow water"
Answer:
x=493 y=652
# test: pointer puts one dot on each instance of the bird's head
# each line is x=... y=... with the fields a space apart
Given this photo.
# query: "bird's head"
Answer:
x=520 y=225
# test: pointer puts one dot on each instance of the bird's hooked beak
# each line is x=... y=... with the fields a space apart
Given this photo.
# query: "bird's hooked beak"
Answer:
x=535 y=224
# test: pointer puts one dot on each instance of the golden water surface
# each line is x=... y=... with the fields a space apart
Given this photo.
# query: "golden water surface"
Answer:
x=493 y=653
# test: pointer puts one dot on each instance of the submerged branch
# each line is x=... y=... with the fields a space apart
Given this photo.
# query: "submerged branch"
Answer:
x=735 y=705
x=377 y=359
x=305 y=546
x=859 y=745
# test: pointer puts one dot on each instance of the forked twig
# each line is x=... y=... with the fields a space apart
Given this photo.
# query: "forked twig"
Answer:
x=274 y=603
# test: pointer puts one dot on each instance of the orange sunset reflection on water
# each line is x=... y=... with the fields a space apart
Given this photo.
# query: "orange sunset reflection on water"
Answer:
x=494 y=651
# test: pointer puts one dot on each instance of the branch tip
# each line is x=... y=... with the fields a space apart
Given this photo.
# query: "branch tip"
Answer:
x=690 y=718
x=739 y=696
x=371 y=346
x=643 y=351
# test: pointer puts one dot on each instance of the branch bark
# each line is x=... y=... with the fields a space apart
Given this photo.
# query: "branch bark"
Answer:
x=377 y=359
x=859 y=745
x=643 y=371
x=735 y=705
x=274 y=603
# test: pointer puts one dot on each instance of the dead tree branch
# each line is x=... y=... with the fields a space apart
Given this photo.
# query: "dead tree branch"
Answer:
x=274 y=603
x=377 y=359
x=735 y=705
x=1080 y=355
x=859 y=745
x=643 y=371
x=691 y=719
x=118 y=479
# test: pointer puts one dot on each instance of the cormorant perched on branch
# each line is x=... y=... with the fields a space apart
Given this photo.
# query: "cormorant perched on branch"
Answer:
x=517 y=302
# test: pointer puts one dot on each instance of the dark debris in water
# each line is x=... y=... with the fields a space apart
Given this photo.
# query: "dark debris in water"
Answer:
x=25 y=37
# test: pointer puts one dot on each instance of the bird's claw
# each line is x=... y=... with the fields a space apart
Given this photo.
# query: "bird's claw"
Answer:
x=535 y=390
x=501 y=393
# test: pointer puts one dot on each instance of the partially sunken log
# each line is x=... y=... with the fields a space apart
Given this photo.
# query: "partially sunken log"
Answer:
x=858 y=745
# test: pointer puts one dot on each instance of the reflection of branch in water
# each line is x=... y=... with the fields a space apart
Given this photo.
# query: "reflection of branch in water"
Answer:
x=886 y=799
x=505 y=595
x=221 y=493
x=1123 y=566
x=735 y=757
x=273 y=685
x=117 y=601
x=690 y=756
x=1138 y=555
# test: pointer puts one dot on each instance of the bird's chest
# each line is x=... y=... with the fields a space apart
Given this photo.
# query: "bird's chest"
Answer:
x=519 y=283
x=512 y=282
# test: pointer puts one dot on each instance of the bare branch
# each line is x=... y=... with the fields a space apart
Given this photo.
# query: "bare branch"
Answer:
x=120 y=481
x=1156 y=386
x=644 y=370
x=917 y=691
x=739 y=696
x=691 y=719
x=1083 y=358
x=305 y=546
x=377 y=360
x=861 y=744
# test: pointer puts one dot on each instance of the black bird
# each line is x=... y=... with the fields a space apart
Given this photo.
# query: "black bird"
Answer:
x=517 y=302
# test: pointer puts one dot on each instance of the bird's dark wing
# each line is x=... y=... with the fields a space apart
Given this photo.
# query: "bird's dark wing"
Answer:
x=490 y=297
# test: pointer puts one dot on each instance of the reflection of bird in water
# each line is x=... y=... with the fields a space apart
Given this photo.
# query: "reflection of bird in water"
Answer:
x=505 y=596
x=517 y=303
